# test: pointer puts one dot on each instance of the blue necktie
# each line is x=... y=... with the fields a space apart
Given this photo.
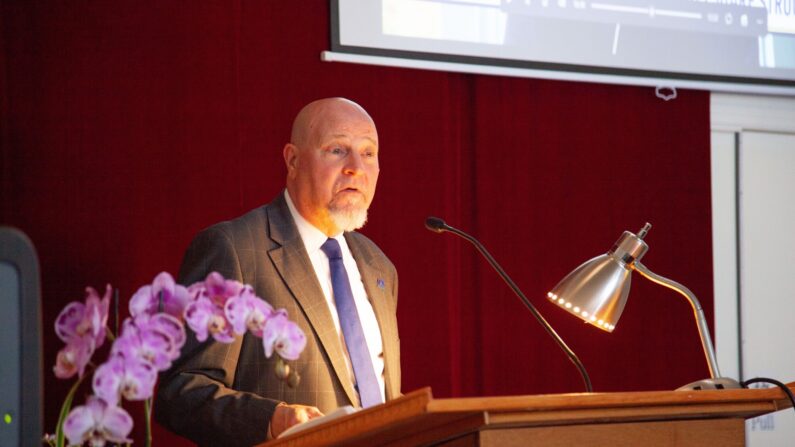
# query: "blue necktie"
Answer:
x=367 y=383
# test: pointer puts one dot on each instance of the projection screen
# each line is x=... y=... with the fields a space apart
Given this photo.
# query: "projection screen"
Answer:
x=723 y=45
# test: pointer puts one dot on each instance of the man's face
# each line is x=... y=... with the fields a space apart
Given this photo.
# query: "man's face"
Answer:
x=335 y=169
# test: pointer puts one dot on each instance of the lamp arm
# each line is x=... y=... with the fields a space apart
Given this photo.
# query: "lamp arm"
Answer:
x=701 y=321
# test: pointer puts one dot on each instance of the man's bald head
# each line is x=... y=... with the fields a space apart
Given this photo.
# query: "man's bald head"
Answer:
x=315 y=117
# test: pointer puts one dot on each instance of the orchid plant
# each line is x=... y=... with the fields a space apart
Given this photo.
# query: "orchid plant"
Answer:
x=149 y=341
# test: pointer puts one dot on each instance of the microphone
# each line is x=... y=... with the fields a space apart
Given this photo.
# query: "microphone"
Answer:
x=438 y=226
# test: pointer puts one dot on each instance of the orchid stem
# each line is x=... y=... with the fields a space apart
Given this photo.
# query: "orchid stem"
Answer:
x=160 y=301
x=148 y=416
x=116 y=310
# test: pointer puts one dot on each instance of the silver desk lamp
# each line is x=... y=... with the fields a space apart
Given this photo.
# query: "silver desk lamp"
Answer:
x=597 y=291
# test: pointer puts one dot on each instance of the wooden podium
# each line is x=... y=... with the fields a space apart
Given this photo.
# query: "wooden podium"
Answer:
x=652 y=418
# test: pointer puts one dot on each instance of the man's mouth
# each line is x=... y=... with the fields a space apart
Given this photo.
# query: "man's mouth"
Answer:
x=349 y=195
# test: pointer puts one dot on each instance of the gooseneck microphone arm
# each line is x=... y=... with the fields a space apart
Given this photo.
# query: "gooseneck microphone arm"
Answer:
x=438 y=226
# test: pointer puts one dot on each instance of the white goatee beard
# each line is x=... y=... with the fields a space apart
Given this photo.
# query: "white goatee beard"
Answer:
x=348 y=218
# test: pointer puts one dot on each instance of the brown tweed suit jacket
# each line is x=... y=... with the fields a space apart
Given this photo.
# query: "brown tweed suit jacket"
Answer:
x=219 y=394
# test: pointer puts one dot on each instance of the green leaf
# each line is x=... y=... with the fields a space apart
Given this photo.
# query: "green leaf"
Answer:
x=67 y=405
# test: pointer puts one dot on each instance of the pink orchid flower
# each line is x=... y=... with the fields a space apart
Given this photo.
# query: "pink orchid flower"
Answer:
x=283 y=336
x=156 y=340
x=130 y=377
x=206 y=318
x=97 y=422
x=82 y=326
x=205 y=315
x=247 y=311
x=72 y=359
x=152 y=338
x=147 y=299
x=219 y=290
x=165 y=324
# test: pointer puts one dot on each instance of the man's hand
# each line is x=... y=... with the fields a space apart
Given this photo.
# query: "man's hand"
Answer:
x=287 y=415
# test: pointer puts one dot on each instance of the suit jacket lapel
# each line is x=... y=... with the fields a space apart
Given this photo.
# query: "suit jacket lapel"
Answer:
x=371 y=275
x=292 y=262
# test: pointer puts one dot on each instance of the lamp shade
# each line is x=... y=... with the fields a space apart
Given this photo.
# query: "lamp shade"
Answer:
x=597 y=290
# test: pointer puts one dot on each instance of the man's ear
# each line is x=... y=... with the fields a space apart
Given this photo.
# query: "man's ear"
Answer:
x=290 y=153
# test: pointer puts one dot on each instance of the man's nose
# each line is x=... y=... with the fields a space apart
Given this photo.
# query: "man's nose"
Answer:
x=354 y=165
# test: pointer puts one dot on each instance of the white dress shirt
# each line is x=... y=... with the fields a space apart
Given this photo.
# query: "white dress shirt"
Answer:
x=313 y=239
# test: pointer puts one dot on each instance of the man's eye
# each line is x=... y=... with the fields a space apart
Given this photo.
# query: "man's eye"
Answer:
x=370 y=154
x=337 y=150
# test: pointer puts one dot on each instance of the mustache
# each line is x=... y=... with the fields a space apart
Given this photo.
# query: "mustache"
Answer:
x=343 y=200
x=339 y=197
x=350 y=187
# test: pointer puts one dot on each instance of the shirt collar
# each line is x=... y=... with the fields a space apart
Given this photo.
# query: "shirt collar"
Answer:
x=313 y=238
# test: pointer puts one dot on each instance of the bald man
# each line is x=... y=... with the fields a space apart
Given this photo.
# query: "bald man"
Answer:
x=228 y=394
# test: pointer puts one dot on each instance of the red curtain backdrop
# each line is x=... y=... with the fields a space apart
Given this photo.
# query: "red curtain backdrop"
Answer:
x=129 y=126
